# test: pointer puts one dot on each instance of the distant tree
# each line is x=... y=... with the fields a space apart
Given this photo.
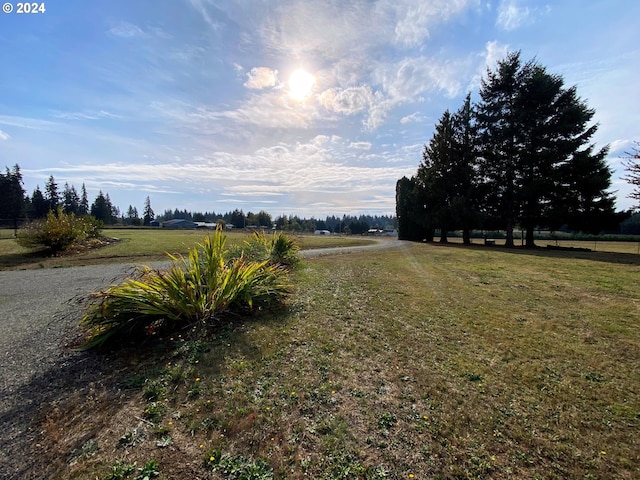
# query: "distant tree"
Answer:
x=132 y=217
x=51 y=194
x=102 y=209
x=70 y=199
x=39 y=204
x=84 y=202
x=263 y=218
x=147 y=213
x=632 y=166
x=12 y=196
x=237 y=218
x=199 y=217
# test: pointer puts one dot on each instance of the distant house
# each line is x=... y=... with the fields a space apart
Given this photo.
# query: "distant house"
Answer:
x=178 y=223
x=154 y=223
x=322 y=232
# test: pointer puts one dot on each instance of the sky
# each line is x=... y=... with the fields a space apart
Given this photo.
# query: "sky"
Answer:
x=295 y=107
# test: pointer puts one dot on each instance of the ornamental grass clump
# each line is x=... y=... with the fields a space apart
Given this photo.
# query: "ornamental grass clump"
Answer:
x=277 y=248
x=194 y=291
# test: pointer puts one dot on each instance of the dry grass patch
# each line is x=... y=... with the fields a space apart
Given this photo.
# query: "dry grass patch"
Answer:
x=426 y=361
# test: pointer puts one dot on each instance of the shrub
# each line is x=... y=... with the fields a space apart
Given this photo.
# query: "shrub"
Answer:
x=277 y=249
x=58 y=231
x=194 y=290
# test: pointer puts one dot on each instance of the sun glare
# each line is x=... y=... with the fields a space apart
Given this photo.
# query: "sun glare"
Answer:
x=300 y=84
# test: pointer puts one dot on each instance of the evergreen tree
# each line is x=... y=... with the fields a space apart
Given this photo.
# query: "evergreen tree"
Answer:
x=39 y=204
x=84 y=202
x=534 y=135
x=411 y=204
x=498 y=126
x=70 y=199
x=115 y=211
x=237 y=219
x=584 y=204
x=12 y=196
x=147 y=214
x=51 y=194
x=101 y=209
x=435 y=174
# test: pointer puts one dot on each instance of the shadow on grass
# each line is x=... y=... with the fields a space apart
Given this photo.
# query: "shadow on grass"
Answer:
x=49 y=418
x=539 y=251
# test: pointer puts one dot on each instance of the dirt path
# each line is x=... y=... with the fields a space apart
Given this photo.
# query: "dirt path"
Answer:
x=38 y=314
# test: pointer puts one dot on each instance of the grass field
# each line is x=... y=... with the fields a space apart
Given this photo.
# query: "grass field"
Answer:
x=144 y=245
x=423 y=361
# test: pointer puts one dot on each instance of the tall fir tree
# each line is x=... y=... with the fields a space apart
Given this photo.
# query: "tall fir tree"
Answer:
x=535 y=136
x=39 y=204
x=70 y=199
x=147 y=214
x=51 y=193
x=84 y=201
x=12 y=196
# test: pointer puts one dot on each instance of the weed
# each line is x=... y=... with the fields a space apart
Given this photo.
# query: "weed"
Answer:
x=153 y=390
x=154 y=411
x=387 y=420
x=238 y=467
x=121 y=471
x=131 y=438
x=150 y=470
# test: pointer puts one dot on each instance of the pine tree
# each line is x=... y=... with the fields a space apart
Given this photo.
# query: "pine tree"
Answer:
x=39 y=204
x=12 y=196
x=535 y=137
x=70 y=199
x=147 y=214
x=51 y=194
x=101 y=209
x=84 y=202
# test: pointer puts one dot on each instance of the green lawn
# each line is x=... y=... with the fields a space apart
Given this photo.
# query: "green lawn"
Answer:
x=144 y=245
x=420 y=362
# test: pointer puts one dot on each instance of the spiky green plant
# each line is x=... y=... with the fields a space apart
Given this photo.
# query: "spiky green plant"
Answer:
x=283 y=249
x=194 y=289
x=277 y=249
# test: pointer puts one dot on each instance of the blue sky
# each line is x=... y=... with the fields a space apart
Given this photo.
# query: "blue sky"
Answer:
x=191 y=101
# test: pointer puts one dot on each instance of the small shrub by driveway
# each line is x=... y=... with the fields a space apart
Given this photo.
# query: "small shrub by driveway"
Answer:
x=195 y=290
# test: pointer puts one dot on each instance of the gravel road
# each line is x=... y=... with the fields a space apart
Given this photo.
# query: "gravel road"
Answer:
x=38 y=312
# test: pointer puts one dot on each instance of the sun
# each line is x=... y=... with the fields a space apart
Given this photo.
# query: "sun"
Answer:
x=301 y=84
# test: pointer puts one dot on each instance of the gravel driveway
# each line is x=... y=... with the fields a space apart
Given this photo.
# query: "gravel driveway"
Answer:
x=38 y=312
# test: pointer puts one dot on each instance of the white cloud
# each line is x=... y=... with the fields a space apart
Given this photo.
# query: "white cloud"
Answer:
x=86 y=115
x=493 y=53
x=360 y=145
x=261 y=77
x=347 y=101
x=4 y=135
x=513 y=15
x=126 y=30
x=414 y=117
x=414 y=19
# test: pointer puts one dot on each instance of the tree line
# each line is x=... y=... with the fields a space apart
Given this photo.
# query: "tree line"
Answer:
x=350 y=224
x=16 y=205
x=521 y=156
